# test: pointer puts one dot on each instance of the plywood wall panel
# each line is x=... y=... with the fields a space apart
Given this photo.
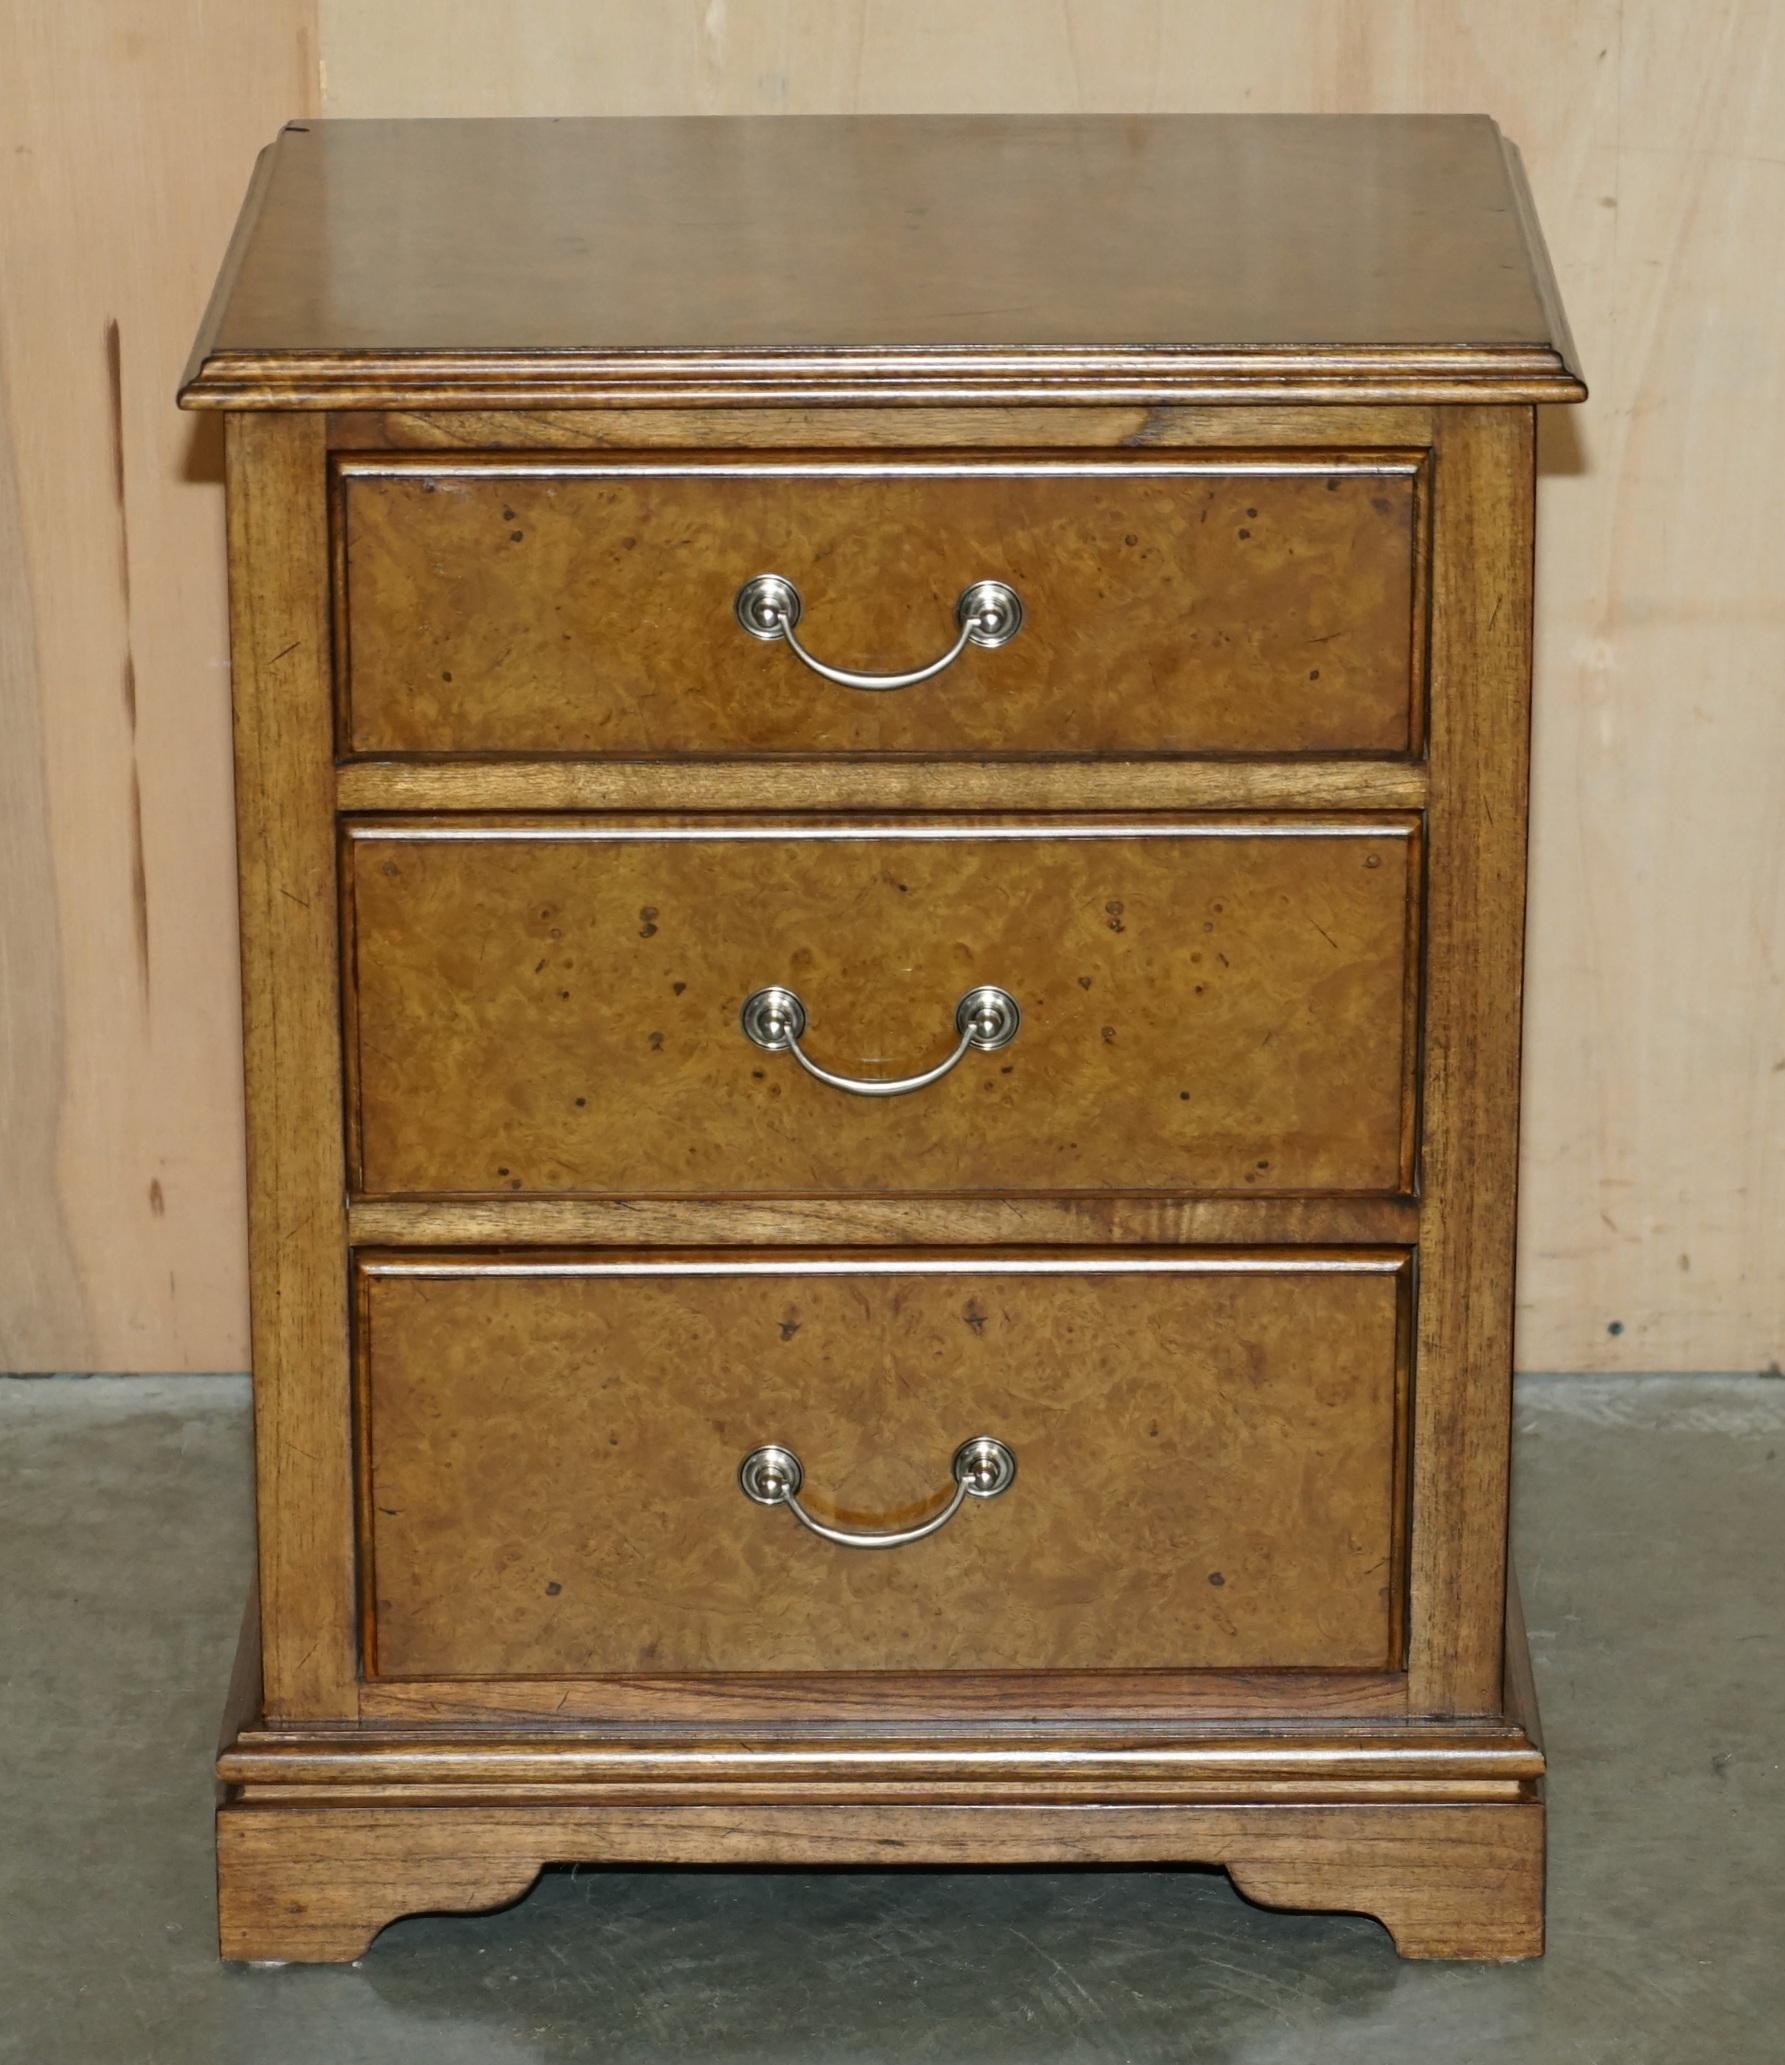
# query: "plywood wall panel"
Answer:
x=1655 y=1184
x=129 y=129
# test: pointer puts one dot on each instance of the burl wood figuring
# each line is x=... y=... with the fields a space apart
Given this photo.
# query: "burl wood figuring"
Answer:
x=605 y=1315
x=1161 y=1406
x=1208 y=1004
x=557 y=606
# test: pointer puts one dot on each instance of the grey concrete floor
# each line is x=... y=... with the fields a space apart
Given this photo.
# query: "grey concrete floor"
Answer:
x=1651 y=1536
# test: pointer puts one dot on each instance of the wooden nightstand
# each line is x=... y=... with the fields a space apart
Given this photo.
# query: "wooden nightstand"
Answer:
x=882 y=771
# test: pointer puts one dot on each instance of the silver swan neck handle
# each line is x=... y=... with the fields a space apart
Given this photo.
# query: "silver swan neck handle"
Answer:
x=769 y=607
x=772 y=1476
x=774 y=1019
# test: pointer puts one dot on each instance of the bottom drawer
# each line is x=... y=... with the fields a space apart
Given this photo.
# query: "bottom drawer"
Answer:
x=1206 y=1448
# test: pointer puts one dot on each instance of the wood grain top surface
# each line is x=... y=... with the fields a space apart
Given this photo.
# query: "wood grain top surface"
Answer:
x=563 y=259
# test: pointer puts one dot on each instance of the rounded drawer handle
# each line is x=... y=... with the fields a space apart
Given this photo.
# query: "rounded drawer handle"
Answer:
x=772 y=1476
x=988 y=613
x=774 y=1018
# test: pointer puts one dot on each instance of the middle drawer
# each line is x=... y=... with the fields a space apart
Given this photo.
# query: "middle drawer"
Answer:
x=564 y=1006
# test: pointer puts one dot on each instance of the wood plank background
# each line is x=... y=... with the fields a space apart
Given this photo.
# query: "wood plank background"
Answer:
x=127 y=128
x=1654 y=1193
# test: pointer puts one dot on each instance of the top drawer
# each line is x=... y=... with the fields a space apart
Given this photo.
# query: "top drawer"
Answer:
x=1229 y=604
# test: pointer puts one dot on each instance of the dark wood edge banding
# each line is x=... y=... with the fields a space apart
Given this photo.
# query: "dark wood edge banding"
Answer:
x=919 y=825
x=836 y=1261
x=503 y=379
x=1145 y=463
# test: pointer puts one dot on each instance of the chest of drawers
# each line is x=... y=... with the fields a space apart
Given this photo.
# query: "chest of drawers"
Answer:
x=881 y=778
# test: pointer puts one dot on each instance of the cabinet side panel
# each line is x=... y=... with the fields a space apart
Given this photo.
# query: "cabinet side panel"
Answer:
x=1480 y=727
x=279 y=642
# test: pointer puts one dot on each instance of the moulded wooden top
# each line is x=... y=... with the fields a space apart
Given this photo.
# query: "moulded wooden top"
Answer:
x=1171 y=257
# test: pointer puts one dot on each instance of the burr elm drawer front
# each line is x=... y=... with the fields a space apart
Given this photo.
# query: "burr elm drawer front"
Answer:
x=1202 y=1458
x=575 y=1005
x=579 y=606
